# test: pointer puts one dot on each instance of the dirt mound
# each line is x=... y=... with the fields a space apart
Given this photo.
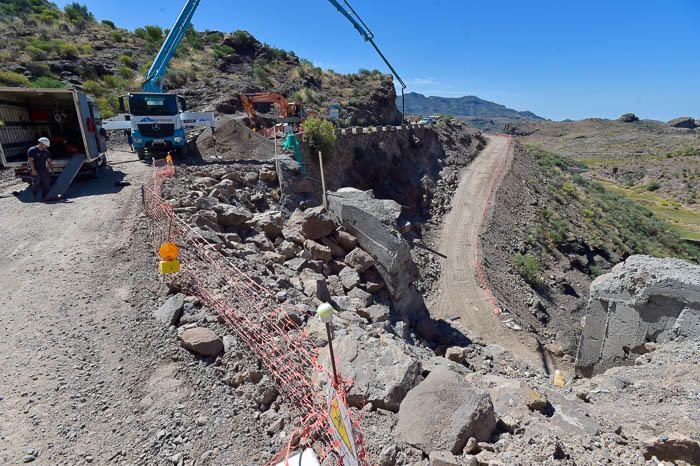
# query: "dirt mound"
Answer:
x=234 y=141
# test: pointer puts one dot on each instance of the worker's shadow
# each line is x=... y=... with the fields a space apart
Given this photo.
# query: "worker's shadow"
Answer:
x=109 y=181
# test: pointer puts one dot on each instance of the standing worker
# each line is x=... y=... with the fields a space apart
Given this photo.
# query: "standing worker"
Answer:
x=40 y=163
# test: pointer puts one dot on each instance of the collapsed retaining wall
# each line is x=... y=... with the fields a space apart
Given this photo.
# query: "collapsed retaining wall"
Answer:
x=642 y=300
x=396 y=162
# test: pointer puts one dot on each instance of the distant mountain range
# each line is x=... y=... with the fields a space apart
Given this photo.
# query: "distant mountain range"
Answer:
x=467 y=106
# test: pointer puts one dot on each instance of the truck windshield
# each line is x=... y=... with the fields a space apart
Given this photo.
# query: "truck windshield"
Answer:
x=144 y=104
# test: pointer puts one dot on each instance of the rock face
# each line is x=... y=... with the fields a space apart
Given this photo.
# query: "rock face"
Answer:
x=381 y=370
x=374 y=223
x=682 y=122
x=202 y=341
x=628 y=118
x=643 y=299
x=444 y=411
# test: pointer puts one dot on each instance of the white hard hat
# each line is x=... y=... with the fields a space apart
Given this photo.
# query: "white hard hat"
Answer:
x=45 y=141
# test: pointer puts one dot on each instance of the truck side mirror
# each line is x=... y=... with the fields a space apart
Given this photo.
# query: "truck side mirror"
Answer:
x=183 y=103
x=122 y=108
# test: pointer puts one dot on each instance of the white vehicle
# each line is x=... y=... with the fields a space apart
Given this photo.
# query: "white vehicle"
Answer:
x=69 y=118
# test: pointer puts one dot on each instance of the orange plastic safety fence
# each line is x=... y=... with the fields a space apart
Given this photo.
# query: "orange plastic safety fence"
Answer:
x=254 y=316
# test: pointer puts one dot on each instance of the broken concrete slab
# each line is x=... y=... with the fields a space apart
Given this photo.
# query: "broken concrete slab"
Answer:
x=642 y=299
x=374 y=223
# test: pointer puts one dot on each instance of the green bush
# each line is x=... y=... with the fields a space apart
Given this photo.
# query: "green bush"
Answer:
x=125 y=72
x=47 y=16
x=17 y=7
x=126 y=60
x=653 y=186
x=10 y=78
x=69 y=51
x=221 y=51
x=117 y=36
x=94 y=88
x=320 y=135
x=528 y=267
x=36 y=53
x=47 y=82
x=109 y=24
x=78 y=14
x=194 y=39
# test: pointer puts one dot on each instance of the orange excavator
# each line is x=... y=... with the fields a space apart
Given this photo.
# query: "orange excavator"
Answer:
x=290 y=112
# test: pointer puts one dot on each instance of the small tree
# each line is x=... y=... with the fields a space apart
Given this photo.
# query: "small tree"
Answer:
x=320 y=135
x=78 y=14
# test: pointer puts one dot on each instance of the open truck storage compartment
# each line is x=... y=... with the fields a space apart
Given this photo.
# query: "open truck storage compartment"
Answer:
x=69 y=118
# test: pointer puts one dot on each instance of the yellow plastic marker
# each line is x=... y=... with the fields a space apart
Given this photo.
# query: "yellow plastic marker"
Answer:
x=558 y=380
x=169 y=159
x=169 y=253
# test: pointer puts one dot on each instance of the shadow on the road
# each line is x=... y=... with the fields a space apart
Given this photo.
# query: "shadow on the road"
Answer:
x=110 y=181
x=422 y=245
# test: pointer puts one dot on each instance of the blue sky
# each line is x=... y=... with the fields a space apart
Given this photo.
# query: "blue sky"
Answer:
x=559 y=59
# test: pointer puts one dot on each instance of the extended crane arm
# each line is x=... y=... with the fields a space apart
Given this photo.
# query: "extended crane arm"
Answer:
x=349 y=12
x=154 y=78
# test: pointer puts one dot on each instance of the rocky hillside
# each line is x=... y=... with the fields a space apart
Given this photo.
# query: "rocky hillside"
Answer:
x=467 y=106
x=552 y=232
x=44 y=46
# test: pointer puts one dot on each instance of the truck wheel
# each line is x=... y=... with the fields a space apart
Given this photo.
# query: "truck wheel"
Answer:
x=142 y=154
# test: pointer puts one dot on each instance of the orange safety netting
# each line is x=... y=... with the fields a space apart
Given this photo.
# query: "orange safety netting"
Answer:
x=257 y=320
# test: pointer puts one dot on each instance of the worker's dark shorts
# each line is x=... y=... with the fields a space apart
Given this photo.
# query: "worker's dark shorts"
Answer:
x=41 y=182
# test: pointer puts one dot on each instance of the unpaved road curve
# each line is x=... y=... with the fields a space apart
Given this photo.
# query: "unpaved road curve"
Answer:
x=460 y=297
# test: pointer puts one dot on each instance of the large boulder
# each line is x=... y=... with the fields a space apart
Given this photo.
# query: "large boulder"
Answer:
x=231 y=216
x=169 y=313
x=374 y=222
x=314 y=223
x=682 y=122
x=202 y=341
x=381 y=369
x=643 y=299
x=444 y=411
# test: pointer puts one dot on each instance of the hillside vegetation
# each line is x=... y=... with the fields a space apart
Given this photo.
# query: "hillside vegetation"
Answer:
x=44 y=46
x=650 y=163
x=553 y=231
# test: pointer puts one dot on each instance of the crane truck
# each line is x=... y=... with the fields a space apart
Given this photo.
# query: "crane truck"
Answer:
x=158 y=120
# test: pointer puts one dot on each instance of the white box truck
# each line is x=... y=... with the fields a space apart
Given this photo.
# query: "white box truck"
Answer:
x=69 y=118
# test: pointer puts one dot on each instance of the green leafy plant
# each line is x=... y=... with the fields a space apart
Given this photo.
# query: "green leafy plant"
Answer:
x=528 y=267
x=653 y=186
x=109 y=24
x=319 y=135
x=221 y=51
x=47 y=82
x=12 y=79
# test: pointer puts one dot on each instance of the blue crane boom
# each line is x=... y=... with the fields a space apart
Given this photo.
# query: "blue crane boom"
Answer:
x=155 y=75
x=349 y=12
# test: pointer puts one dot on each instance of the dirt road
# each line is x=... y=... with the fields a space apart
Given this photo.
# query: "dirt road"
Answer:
x=87 y=375
x=460 y=297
